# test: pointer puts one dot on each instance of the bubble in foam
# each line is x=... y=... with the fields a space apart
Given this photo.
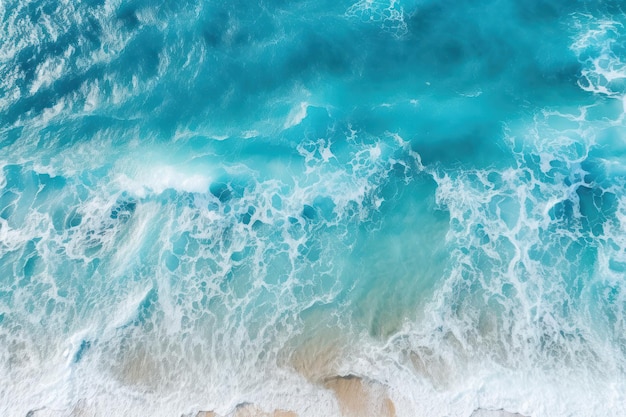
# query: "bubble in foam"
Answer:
x=388 y=14
x=599 y=47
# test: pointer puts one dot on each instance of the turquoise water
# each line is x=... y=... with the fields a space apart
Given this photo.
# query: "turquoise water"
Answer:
x=195 y=195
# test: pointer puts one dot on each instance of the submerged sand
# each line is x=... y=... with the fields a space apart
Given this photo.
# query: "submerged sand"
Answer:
x=359 y=397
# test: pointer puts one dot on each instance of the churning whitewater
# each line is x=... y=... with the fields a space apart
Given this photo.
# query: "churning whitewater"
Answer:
x=314 y=208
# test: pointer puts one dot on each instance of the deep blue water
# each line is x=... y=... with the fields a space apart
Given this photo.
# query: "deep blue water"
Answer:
x=196 y=195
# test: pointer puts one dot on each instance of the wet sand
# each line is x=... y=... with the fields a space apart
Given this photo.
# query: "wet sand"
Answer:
x=360 y=397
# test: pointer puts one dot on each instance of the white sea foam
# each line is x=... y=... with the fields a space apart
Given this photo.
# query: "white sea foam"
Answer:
x=47 y=73
x=156 y=179
x=92 y=96
x=505 y=331
x=296 y=115
x=146 y=276
x=145 y=331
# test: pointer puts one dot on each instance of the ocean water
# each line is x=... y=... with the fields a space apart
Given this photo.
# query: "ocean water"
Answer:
x=206 y=203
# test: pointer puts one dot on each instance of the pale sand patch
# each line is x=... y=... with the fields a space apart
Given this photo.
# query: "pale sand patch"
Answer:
x=318 y=359
x=494 y=413
x=317 y=352
x=315 y=358
x=284 y=413
x=359 y=397
x=137 y=365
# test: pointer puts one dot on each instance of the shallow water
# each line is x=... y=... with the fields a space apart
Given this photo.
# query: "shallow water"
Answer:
x=205 y=204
